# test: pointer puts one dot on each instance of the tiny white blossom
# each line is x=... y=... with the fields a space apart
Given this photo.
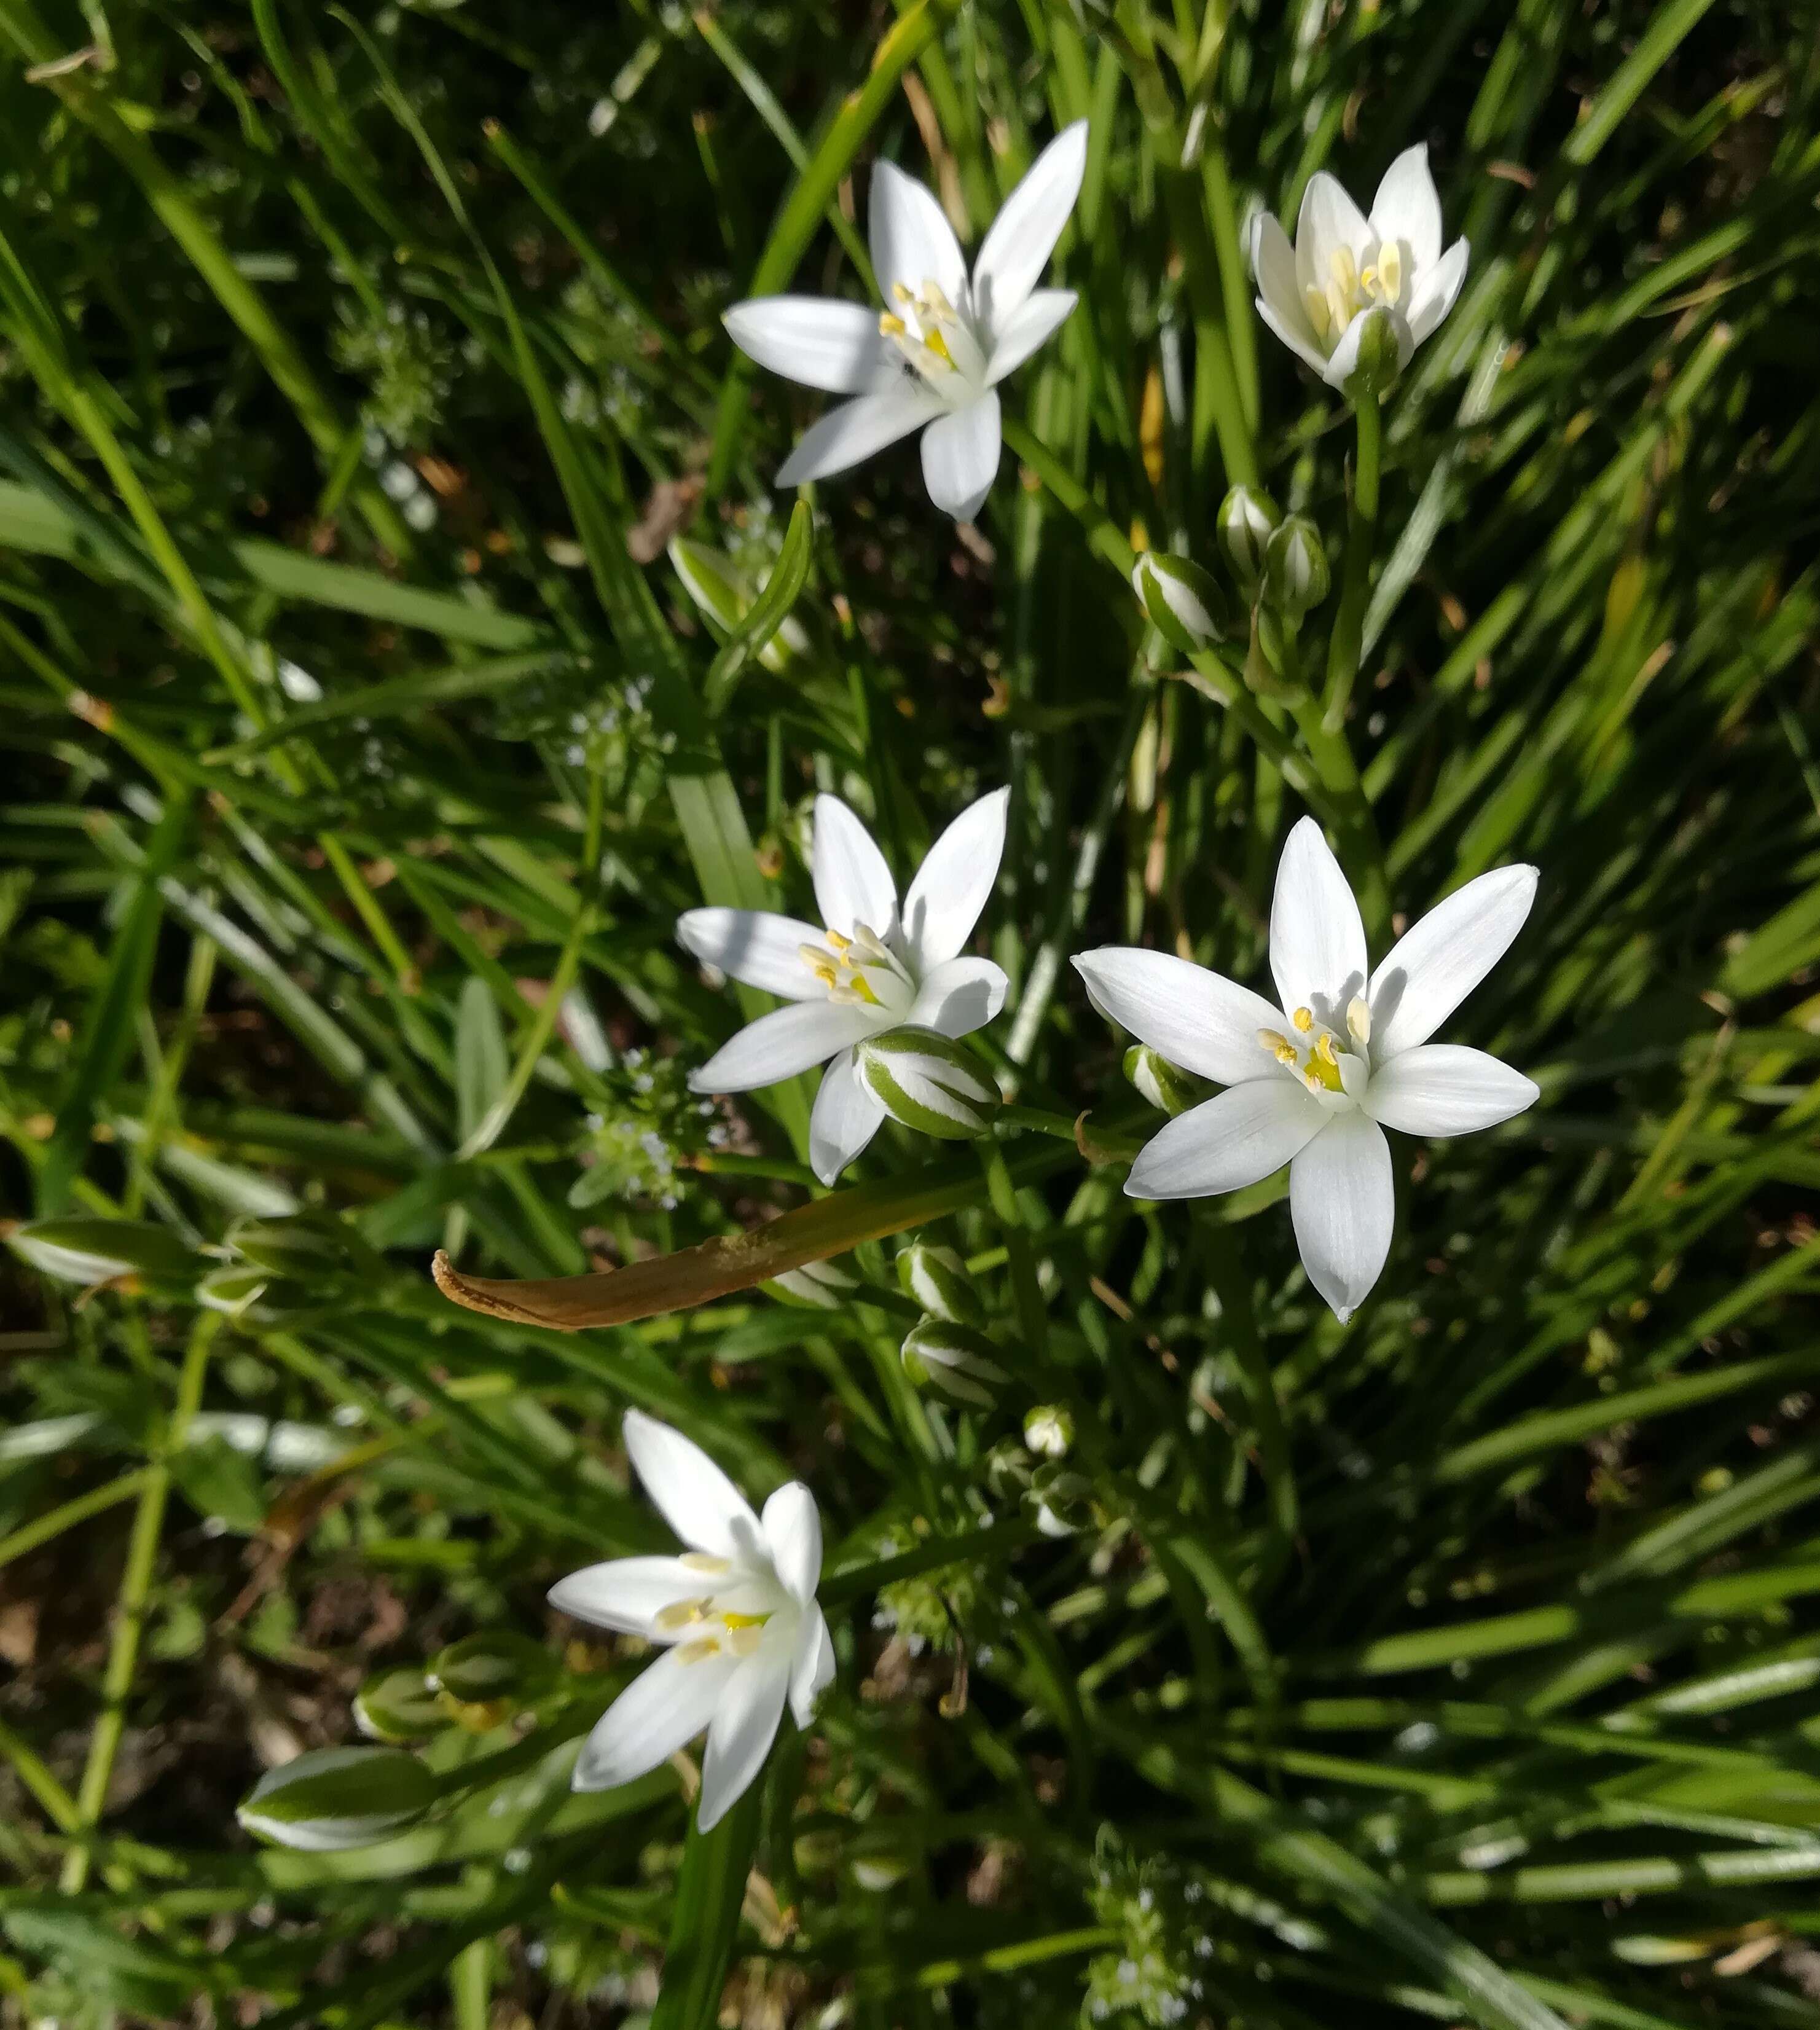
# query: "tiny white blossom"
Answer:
x=945 y=339
x=1316 y=1083
x=875 y=967
x=735 y=1616
x=1317 y=294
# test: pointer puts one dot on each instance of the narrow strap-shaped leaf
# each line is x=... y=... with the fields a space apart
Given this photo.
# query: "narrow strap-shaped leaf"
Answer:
x=710 y=1890
x=767 y=611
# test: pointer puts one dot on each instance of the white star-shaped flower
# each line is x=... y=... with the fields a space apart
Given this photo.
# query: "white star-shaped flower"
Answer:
x=735 y=1616
x=1316 y=295
x=1316 y=1083
x=873 y=968
x=945 y=340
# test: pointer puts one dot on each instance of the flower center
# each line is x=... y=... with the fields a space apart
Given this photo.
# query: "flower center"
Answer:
x=936 y=342
x=1314 y=1056
x=1350 y=288
x=861 y=971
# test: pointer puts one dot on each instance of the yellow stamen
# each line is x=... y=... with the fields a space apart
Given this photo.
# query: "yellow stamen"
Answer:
x=1344 y=269
x=1324 y=1050
x=1273 y=1040
x=937 y=301
x=1304 y=1019
x=680 y=1615
x=901 y=294
x=706 y=1561
x=1391 y=270
x=1339 y=307
x=939 y=346
x=840 y=943
x=890 y=326
x=1359 y=1018
x=1317 y=307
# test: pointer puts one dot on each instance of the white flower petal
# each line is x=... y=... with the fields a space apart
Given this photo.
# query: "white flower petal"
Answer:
x=959 y=996
x=661 y=1710
x=1437 y=291
x=856 y=429
x=626 y=1593
x=1041 y=312
x=1305 y=349
x=912 y=241
x=813 y=1667
x=952 y=884
x=1329 y=221
x=697 y=1499
x=818 y=341
x=844 y=1118
x=1196 y=1019
x=1439 y=960
x=1408 y=207
x=744 y=1725
x=1446 y=1089
x=961 y=456
x=753 y=945
x=780 y=1045
x=1343 y=1202
x=1227 y=1141
x=852 y=884
x=1023 y=236
x=1317 y=941
x=793 y=1531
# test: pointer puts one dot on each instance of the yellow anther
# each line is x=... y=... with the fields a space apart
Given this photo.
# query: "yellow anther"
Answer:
x=1274 y=1041
x=937 y=301
x=840 y=943
x=1324 y=1050
x=1304 y=1019
x=1389 y=268
x=698 y=1652
x=1339 y=307
x=1359 y=1018
x=899 y=294
x=1323 y=1073
x=890 y=326
x=1317 y=306
x=816 y=957
x=1344 y=269
x=706 y=1561
x=681 y=1614
x=1312 y=1083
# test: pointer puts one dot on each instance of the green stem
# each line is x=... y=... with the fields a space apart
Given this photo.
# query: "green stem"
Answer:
x=134 y=1592
x=1032 y=1315
x=1343 y=650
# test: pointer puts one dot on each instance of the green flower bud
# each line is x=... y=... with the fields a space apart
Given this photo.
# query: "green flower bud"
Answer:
x=79 y=1249
x=1295 y=569
x=1183 y=601
x=929 y=1082
x=309 y=1248
x=499 y=1664
x=334 y=1798
x=231 y=1292
x=1158 y=1081
x=1061 y=1500
x=1049 y=1430
x=1247 y=519
x=819 y=1286
x=936 y=1279
x=938 y=1354
x=398 y=1705
x=1380 y=355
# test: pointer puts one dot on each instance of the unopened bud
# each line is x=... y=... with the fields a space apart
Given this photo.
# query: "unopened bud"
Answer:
x=1061 y=1500
x=1381 y=354
x=1049 y=1430
x=231 y=1292
x=499 y=1664
x=1158 y=1081
x=819 y=1285
x=87 y=1251
x=398 y=1705
x=1183 y=601
x=936 y=1279
x=1247 y=519
x=1295 y=569
x=332 y=1798
x=928 y=1082
x=938 y=1354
